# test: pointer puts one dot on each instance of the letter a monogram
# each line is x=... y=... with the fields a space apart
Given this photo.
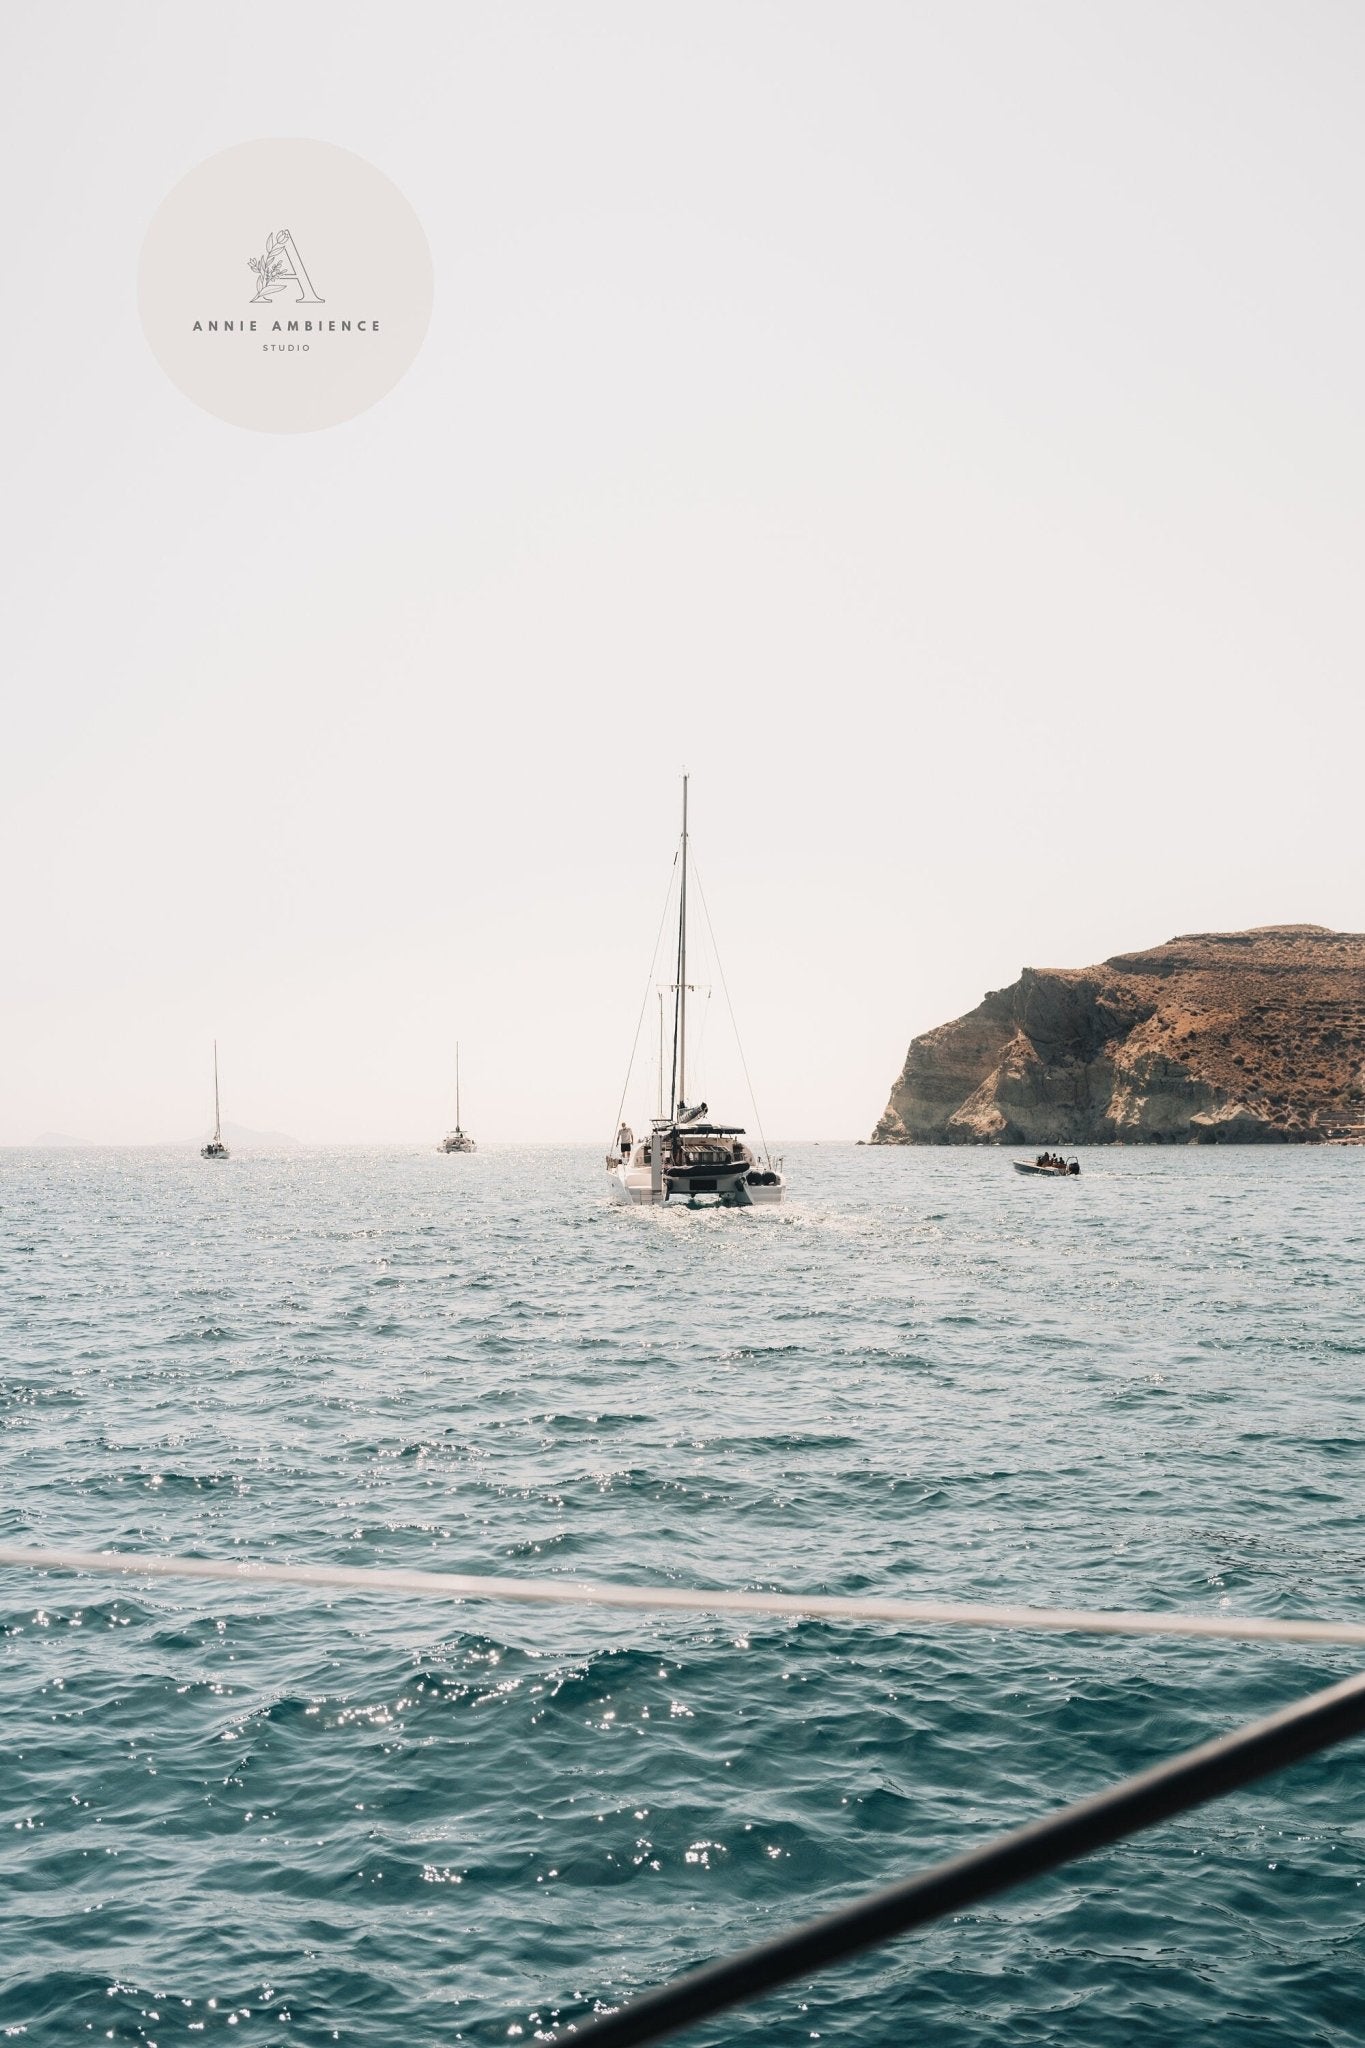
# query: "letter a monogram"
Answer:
x=281 y=266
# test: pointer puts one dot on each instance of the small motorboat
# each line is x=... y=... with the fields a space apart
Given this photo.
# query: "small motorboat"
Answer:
x=1049 y=1163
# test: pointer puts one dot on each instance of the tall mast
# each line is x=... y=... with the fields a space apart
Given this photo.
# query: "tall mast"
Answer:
x=217 y=1114
x=680 y=1004
x=457 y=1084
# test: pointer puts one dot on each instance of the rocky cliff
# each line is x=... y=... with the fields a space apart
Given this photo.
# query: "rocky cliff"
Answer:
x=1220 y=1036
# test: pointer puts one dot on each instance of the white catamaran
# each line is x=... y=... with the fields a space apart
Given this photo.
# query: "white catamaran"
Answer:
x=685 y=1157
x=215 y=1149
x=456 y=1140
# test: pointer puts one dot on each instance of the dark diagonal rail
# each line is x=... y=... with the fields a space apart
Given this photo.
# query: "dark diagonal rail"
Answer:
x=1186 y=1781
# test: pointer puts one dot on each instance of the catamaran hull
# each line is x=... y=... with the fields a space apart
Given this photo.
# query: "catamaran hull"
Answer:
x=707 y=1183
x=634 y=1185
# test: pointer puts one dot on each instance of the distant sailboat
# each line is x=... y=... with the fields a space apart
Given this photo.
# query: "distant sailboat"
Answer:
x=456 y=1140
x=687 y=1156
x=215 y=1149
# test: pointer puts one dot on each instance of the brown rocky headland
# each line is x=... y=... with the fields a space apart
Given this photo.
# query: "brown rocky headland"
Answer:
x=1244 y=1037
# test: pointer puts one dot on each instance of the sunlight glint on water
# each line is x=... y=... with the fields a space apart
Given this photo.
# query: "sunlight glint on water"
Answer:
x=271 y=1817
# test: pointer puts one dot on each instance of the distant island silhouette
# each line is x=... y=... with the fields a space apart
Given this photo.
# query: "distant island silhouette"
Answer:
x=235 y=1134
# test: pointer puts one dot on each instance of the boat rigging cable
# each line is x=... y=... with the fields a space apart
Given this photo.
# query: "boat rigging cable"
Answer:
x=1236 y=1628
x=1176 y=1786
x=1151 y=1796
x=644 y=1002
x=725 y=991
x=678 y=1101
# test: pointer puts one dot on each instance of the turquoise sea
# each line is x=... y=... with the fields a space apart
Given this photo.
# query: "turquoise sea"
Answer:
x=268 y=1816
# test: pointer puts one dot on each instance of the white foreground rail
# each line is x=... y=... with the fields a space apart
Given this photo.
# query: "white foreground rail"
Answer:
x=676 y=1599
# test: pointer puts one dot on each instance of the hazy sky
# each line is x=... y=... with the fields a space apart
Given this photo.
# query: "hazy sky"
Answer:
x=938 y=427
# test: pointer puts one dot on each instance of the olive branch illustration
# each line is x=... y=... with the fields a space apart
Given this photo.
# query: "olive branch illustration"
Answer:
x=271 y=275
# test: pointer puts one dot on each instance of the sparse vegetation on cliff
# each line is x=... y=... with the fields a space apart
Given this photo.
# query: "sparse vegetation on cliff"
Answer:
x=1247 y=1037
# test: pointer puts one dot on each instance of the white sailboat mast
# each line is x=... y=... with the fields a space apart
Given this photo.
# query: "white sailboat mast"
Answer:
x=217 y=1113
x=680 y=1008
x=457 y=1084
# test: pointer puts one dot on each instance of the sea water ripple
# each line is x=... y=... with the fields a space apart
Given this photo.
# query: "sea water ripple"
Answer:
x=270 y=1815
